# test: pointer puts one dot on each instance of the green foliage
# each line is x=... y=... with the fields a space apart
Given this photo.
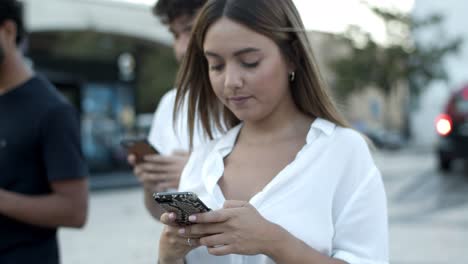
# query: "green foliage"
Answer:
x=157 y=74
x=400 y=59
x=90 y=45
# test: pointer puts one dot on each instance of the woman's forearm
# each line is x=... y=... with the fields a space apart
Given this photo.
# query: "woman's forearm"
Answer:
x=287 y=249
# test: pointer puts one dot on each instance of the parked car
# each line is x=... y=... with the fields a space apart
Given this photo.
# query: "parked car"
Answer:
x=452 y=127
x=384 y=139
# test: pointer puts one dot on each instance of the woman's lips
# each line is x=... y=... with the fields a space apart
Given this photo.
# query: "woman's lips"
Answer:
x=239 y=100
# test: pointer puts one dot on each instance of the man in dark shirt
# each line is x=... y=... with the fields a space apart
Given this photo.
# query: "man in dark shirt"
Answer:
x=43 y=181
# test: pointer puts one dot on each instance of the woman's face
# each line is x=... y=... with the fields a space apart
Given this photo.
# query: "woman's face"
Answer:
x=247 y=71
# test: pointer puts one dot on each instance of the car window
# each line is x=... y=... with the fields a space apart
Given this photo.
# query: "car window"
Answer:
x=461 y=104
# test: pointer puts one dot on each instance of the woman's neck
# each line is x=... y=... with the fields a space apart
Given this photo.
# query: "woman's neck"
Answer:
x=282 y=125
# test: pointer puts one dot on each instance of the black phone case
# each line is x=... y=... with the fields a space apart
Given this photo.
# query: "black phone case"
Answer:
x=183 y=204
x=139 y=147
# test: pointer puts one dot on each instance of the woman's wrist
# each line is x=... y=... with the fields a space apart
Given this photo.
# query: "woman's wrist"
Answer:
x=170 y=261
x=286 y=248
x=278 y=242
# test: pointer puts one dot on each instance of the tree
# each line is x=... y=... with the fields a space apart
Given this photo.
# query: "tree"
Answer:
x=401 y=58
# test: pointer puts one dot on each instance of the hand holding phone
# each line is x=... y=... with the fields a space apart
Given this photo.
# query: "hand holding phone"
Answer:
x=183 y=204
x=139 y=147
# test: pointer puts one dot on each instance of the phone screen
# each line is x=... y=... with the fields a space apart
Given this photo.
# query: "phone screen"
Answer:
x=183 y=204
x=139 y=147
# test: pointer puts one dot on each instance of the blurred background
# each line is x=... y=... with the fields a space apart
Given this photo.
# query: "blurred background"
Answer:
x=396 y=67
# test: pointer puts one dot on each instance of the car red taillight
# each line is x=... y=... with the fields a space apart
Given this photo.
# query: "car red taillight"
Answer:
x=444 y=124
x=465 y=93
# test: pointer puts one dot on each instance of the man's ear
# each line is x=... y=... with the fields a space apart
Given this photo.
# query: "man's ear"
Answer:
x=10 y=31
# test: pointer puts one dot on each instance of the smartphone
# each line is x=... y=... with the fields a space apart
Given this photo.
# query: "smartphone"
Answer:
x=183 y=204
x=139 y=147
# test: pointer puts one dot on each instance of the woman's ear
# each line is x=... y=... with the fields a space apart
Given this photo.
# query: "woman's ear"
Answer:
x=291 y=67
x=294 y=58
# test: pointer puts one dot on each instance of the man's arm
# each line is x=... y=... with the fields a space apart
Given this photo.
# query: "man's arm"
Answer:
x=67 y=205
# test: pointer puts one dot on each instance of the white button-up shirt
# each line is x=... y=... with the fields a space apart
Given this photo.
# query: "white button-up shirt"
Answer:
x=331 y=196
x=166 y=137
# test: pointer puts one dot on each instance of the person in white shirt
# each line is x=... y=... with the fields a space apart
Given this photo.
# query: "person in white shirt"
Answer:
x=289 y=182
x=161 y=172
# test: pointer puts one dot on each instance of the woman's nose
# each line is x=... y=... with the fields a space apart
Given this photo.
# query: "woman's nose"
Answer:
x=233 y=78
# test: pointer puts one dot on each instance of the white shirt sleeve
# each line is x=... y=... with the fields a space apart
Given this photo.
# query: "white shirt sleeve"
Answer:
x=162 y=135
x=361 y=229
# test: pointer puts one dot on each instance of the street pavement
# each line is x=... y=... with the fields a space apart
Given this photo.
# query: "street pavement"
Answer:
x=118 y=231
x=428 y=217
x=428 y=210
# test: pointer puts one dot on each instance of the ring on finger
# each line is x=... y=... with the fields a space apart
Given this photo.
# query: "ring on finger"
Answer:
x=189 y=242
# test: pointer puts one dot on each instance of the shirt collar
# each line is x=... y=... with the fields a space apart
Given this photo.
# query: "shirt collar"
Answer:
x=213 y=167
x=320 y=126
x=226 y=144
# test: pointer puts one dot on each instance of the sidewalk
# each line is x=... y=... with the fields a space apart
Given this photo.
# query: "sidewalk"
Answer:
x=119 y=231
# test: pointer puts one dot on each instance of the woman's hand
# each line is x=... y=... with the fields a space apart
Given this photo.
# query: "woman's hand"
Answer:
x=173 y=246
x=238 y=228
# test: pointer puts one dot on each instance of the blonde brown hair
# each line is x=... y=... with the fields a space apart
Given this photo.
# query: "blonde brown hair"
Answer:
x=278 y=20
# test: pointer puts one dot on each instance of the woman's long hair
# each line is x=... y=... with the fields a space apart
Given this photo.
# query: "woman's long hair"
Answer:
x=278 y=20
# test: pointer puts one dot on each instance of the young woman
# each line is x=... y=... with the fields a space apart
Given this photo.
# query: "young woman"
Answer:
x=288 y=182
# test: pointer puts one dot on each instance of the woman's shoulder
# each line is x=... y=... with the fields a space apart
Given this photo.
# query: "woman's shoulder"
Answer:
x=337 y=133
x=350 y=138
x=348 y=145
x=352 y=150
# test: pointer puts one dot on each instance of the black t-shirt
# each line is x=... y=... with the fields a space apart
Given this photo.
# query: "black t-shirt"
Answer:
x=39 y=144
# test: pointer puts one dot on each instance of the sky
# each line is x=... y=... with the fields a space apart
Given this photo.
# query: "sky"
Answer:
x=454 y=12
x=334 y=16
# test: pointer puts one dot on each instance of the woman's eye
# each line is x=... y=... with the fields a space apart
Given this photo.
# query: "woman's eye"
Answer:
x=216 y=67
x=250 y=65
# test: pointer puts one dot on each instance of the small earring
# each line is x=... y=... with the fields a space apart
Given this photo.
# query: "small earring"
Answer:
x=292 y=76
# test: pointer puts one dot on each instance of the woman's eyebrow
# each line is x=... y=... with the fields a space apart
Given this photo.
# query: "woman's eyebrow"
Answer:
x=211 y=54
x=236 y=53
x=246 y=50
